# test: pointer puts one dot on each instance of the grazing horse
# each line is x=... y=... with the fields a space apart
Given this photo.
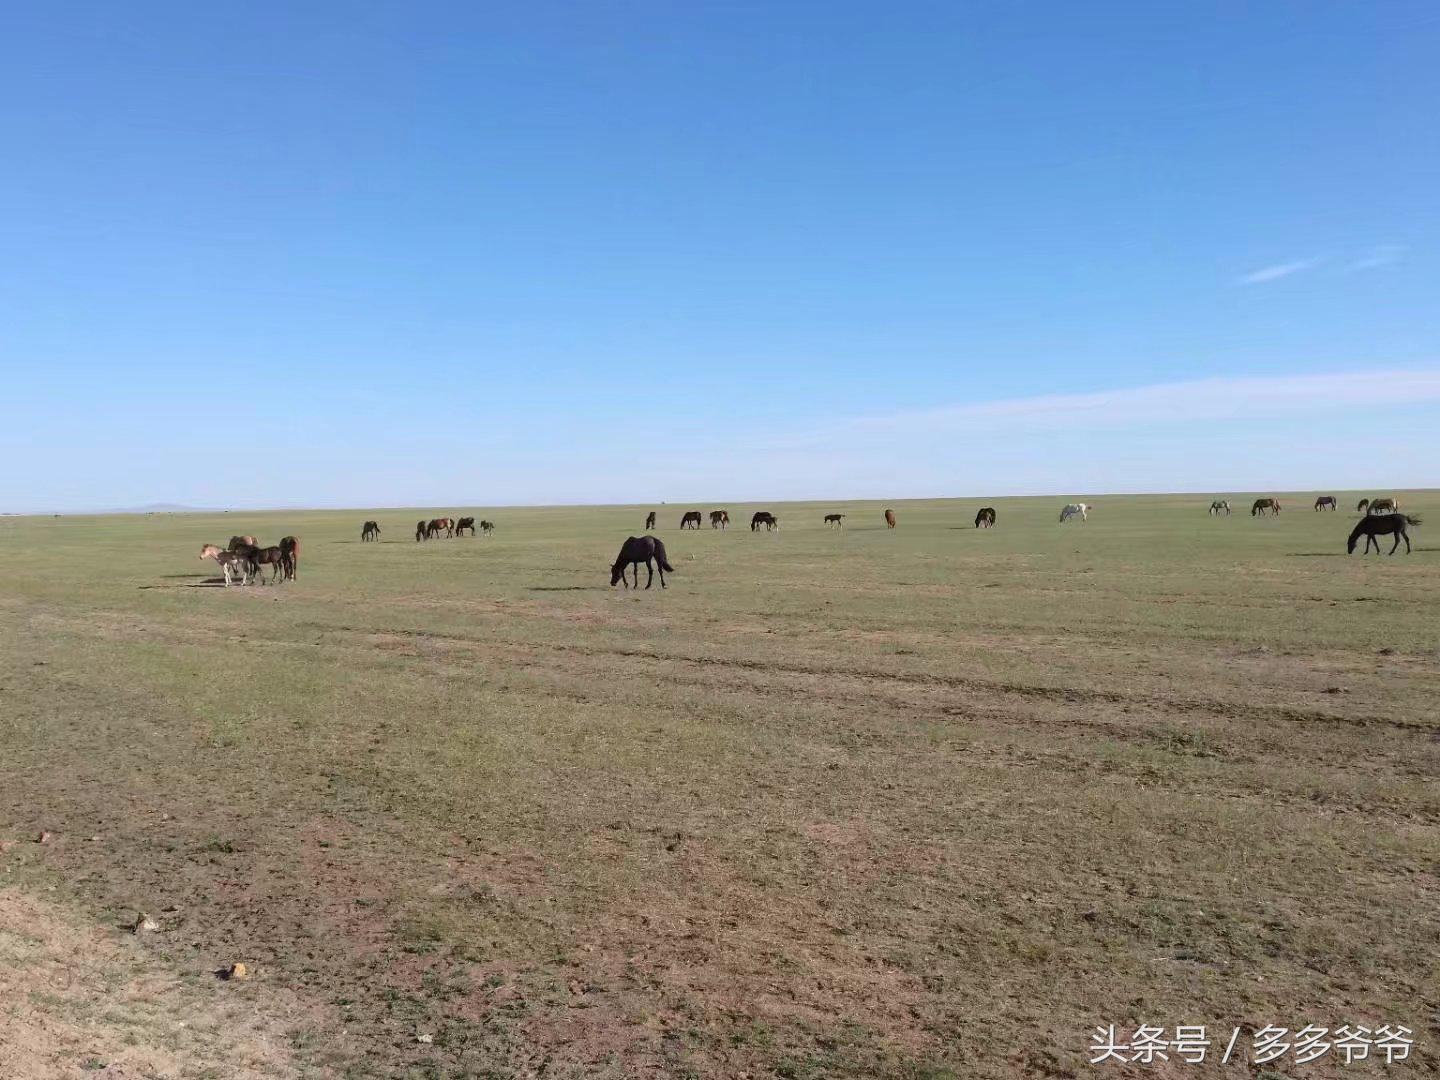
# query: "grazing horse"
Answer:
x=422 y=531
x=719 y=519
x=371 y=531
x=1373 y=525
x=985 y=519
x=1072 y=509
x=1384 y=506
x=1361 y=506
x=290 y=548
x=637 y=550
x=487 y=527
x=890 y=519
x=691 y=520
x=838 y=520
x=650 y=521
x=1220 y=506
x=1326 y=502
x=1260 y=506
x=230 y=563
x=463 y=524
x=764 y=517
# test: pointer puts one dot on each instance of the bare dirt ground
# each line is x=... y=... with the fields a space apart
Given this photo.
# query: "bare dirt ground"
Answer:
x=931 y=802
x=76 y=1001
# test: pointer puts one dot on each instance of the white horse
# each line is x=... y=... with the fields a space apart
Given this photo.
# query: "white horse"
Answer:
x=1071 y=509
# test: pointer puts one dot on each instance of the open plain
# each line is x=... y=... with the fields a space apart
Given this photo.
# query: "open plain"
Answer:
x=924 y=802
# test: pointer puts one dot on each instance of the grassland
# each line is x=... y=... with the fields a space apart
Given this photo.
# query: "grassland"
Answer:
x=920 y=803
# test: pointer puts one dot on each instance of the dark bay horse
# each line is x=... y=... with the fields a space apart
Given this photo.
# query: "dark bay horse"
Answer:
x=691 y=520
x=463 y=524
x=371 y=531
x=1326 y=502
x=838 y=520
x=637 y=550
x=272 y=557
x=290 y=547
x=238 y=542
x=1373 y=525
x=487 y=527
x=1362 y=505
x=650 y=521
x=890 y=519
x=1260 y=506
x=985 y=519
x=422 y=531
x=764 y=517
x=719 y=519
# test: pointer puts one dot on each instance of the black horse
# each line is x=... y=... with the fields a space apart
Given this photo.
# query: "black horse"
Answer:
x=764 y=517
x=637 y=550
x=463 y=524
x=1374 y=525
x=371 y=531
x=1326 y=502
x=691 y=520
x=650 y=521
x=486 y=527
x=985 y=518
x=422 y=531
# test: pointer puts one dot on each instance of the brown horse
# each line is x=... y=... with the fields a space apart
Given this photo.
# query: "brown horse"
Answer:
x=1326 y=502
x=371 y=531
x=691 y=520
x=238 y=542
x=890 y=518
x=435 y=526
x=272 y=557
x=719 y=519
x=985 y=519
x=290 y=548
x=1260 y=506
x=650 y=521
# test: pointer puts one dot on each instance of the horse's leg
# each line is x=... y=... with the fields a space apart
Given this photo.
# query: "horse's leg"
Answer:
x=1403 y=533
x=1396 y=544
x=649 y=574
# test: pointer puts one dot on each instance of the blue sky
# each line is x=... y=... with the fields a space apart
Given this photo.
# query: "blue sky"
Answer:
x=446 y=253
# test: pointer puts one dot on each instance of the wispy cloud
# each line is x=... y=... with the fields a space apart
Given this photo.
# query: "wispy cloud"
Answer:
x=1379 y=255
x=1278 y=271
x=1230 y=398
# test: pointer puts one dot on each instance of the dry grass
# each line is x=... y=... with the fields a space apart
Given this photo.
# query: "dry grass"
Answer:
x=923 y=803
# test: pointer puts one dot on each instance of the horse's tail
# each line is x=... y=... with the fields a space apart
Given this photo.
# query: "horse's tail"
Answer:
x=1411 y=519
x=660 y=558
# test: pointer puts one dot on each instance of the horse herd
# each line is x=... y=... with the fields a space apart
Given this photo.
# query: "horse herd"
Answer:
x=243 y=557
x=429 y=530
